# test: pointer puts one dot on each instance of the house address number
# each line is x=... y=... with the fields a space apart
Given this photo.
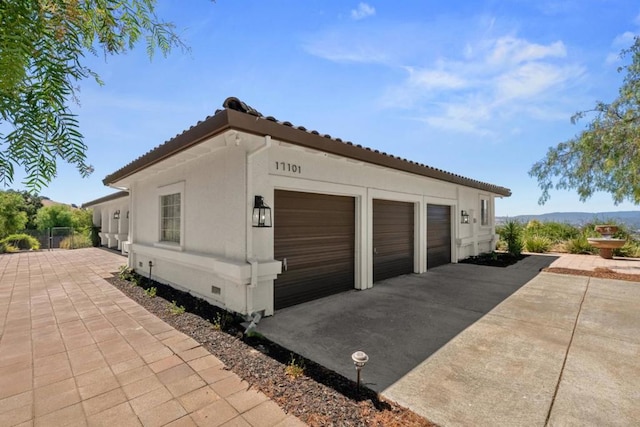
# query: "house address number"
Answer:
x=288 y=167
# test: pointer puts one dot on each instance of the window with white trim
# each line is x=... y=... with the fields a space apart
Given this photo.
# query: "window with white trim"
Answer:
x=170 y=217
x=484 y=212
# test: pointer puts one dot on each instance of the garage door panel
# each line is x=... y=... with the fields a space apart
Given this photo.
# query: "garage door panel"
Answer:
x=316 y=234
x=393 y=237
x=438 y=235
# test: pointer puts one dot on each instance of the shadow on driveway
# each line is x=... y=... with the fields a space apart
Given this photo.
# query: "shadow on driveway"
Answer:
x=400 y=322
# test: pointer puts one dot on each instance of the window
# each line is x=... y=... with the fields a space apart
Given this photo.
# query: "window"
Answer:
x=170 y=218
x=484 y=212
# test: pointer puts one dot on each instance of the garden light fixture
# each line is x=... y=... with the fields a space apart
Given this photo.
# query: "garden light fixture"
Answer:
x=360 y=359
x=261 y=213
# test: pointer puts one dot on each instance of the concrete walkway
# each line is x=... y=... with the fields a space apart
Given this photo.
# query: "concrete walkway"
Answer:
x=592 y=262
x=561 y=351
x=75 y=351
x=466 y=345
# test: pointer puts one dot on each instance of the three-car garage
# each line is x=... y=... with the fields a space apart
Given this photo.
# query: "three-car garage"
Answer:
x=315 y=239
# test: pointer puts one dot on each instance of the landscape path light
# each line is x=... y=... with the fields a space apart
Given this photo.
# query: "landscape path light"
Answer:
x=360 y=359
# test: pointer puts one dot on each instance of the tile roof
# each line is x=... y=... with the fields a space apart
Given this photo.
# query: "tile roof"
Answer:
x=107 y=198
x=238 y=115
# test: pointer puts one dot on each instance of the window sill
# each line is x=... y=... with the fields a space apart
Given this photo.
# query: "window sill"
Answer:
x=169 y=245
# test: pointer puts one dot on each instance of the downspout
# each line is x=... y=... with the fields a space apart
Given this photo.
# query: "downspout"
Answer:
x=255 y=317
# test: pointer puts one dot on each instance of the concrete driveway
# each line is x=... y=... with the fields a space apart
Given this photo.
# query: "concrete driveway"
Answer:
x=470 y=345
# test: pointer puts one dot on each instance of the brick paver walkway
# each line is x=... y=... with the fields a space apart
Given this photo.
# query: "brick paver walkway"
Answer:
x=75 y=351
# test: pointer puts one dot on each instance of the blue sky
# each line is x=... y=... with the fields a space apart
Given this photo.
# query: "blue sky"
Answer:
x=478 y=88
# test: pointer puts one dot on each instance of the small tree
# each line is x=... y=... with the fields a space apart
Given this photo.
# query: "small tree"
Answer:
x=54 y=216
x=12 y=215
x=605 y=156
x=82 y=220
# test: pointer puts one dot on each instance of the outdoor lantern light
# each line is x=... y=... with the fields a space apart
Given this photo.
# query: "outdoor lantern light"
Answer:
x=261 y=213
x=116 y=214
x=127 y=214
x=464 y=217
x=360 y=359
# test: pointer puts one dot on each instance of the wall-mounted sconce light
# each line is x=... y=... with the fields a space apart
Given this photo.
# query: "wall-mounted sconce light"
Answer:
x=127 y=214
x=116 y=214
x=261 y=213
x=464 y=217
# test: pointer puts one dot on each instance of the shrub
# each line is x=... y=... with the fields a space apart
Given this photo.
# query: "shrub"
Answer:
x=511 y=233
x=579 y=245
x=76 y=241
x=21 y=242
x=555 y=231
x=129 y=274
x=630 y=249
x=176 y=309
x=151 y=292
x=295 y=369
x=95 y=236
x=537 y=244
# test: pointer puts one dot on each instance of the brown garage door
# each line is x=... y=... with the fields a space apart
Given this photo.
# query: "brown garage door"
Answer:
x=315 y=233
x=392 y=239
x=438 y=235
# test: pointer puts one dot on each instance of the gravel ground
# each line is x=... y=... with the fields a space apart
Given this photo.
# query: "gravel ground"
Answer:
x=319 y=397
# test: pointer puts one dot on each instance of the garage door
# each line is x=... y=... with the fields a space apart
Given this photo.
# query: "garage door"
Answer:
x=392 y=239
x=438 y=235
x=315 y=234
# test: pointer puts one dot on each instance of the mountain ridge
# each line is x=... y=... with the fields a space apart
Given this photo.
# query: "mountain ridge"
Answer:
x=630 y=218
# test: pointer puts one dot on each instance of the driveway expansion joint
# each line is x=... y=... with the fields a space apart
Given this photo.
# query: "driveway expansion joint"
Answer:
x=566 y=354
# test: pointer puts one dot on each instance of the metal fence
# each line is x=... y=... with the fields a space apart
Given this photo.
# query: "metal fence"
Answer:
x=51 y=237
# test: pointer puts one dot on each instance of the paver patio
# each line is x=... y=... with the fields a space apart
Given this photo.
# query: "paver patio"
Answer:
x=75 y=351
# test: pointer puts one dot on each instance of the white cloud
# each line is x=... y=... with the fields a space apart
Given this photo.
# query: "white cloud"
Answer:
x=435 y=79
x=334 y=50
x=531 y=79
x=624 y=40
x=363 y=10
x=488 y=79
x=514 y=51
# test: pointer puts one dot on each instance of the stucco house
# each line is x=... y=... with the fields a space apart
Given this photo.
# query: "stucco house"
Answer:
x=254 y=214
x=111 y=214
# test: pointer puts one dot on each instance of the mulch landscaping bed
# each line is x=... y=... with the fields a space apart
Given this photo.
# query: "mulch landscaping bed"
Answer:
x=494 y=259
x=600 y=272
x=320 y=397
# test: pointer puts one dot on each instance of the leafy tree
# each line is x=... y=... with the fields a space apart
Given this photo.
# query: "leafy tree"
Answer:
x=32 y=203
x=606 y=155
x=12 y=215
x=82 y=220
x=42 y=48
x=54 y=216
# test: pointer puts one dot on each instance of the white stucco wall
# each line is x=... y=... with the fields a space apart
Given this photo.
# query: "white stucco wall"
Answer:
x=223 y=259
x=114 y=233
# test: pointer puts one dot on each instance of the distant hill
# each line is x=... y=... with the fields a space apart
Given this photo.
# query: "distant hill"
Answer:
x=630 y=218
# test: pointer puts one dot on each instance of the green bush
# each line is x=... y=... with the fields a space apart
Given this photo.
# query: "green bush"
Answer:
x=631 y=249
x=579 y=245
x=95 y=236
x=76 y=241
x=537 y=244
x=21 y=241
x=555 y=231
x=511 y=233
